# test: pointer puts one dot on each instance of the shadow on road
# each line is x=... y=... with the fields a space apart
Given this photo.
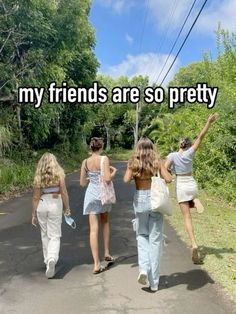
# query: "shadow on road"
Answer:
x=193 y=279
x=218 y=252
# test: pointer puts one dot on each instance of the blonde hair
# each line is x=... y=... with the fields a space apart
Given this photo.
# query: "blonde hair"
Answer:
x=145 y=160
x=48 y=171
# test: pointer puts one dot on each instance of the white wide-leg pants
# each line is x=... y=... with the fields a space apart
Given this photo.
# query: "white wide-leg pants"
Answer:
x=49 y=213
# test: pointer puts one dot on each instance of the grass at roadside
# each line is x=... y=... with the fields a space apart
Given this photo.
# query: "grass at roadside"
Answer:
x=119 y=154
x=215 y=231
x=17 y=175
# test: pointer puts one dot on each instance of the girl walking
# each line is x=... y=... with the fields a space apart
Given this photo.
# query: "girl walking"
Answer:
x=90 y=173
x=49 y=198
x=149 y=225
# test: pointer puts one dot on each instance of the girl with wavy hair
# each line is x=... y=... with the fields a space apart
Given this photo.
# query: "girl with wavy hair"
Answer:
x=49 y=198
x=181 y=164
x=90 y=173
x=144 y=164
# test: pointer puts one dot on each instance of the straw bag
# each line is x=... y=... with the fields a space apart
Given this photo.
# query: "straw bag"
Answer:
x=107 y=192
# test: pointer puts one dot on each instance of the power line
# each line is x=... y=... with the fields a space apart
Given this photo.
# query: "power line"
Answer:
x=177 y=38
x=144 y=24
x=184 y=42
x=163 y=38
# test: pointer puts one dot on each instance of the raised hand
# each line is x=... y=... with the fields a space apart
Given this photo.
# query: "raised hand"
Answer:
x=212 y=117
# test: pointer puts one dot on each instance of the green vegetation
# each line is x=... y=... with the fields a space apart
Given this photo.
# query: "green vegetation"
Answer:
x=17 y=175
x=44 y=41
x=214 y=231
x=119 y=154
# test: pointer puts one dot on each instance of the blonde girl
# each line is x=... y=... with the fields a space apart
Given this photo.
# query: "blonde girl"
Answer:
x=141 y=167
x=50 y=198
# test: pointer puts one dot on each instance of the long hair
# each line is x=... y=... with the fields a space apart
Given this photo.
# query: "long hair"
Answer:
x=48 y=171
x=145 y=160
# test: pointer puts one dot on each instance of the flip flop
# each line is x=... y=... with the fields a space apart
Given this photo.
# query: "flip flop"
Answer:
x=195 y=256
x=109 y=259
x=100 y=270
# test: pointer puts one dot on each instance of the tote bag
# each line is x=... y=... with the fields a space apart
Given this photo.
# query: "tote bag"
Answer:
x=107 y=192
x=160 y=199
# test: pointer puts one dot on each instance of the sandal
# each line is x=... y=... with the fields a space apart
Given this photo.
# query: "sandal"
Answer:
x=100 y=270
x=198 y=205
x=195 y=256
x=109 y=259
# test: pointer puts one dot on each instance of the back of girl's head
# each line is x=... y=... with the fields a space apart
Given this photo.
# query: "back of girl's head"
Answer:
x=96 y=143
x=144 y=144
x=145 y=161
x=48 y=171
x=185 y=143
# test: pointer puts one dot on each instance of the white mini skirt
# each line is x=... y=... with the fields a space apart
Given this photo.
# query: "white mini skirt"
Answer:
x=186 y=188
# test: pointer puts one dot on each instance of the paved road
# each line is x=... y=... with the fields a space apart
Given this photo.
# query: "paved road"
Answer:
x=184 y=287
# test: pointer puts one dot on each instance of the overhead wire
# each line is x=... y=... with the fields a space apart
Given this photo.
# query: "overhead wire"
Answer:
x=186 y=37
x=164 y=36
x=143 y=28
x=176 y=40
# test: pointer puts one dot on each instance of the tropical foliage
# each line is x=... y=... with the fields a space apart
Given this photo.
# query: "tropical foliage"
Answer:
x=43 y=41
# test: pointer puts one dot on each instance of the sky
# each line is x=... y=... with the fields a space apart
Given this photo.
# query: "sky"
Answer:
x=134 y=37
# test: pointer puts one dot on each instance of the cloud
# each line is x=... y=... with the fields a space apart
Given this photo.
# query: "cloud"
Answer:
x=222 y=11
x=118 y=6
x=129 y=38
x=144 y=64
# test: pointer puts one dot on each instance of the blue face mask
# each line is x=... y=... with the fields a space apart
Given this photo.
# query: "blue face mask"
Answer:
x=70 y=221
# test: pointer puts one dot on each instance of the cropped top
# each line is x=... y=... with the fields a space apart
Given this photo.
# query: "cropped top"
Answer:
x=181 y=162
x=50 y=189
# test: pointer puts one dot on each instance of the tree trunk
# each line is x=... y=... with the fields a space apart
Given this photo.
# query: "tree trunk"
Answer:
x=18 y=115
x=108 y=145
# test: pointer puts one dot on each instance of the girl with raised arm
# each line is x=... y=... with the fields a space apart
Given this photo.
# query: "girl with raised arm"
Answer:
x=180 y=163
x=49 y=198
x=141 y=167
x=90 y=172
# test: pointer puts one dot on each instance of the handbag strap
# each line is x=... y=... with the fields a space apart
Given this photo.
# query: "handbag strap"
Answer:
x=101 y=164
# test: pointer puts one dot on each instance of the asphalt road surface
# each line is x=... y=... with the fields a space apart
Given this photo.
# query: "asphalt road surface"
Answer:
x=24 y=289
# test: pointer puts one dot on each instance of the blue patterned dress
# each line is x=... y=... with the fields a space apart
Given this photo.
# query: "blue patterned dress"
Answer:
x=92 y=201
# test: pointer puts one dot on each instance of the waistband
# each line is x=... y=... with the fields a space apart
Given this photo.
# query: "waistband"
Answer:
x=143 y=192
x=50 y=196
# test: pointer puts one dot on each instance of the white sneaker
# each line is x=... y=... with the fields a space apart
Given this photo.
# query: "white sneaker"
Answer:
x=50 y=272
x=142 y=278
x=154 y=288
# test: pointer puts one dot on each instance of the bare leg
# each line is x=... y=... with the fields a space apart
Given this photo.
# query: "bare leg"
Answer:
x=184 y=206
x=105 y=232
x=93 y=222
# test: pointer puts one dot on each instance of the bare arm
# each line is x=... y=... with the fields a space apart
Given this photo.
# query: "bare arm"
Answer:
x=128 y=175
x=211 y=118
x=64 y=196
x=83 y=177
x=35 y=202
x=165 y=173
x=113 y=171
x=167 y=164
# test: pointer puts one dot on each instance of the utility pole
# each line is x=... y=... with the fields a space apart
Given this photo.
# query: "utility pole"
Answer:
x=138 y=107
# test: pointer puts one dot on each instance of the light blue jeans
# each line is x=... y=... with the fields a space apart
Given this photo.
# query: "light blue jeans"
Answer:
x=149 y=234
